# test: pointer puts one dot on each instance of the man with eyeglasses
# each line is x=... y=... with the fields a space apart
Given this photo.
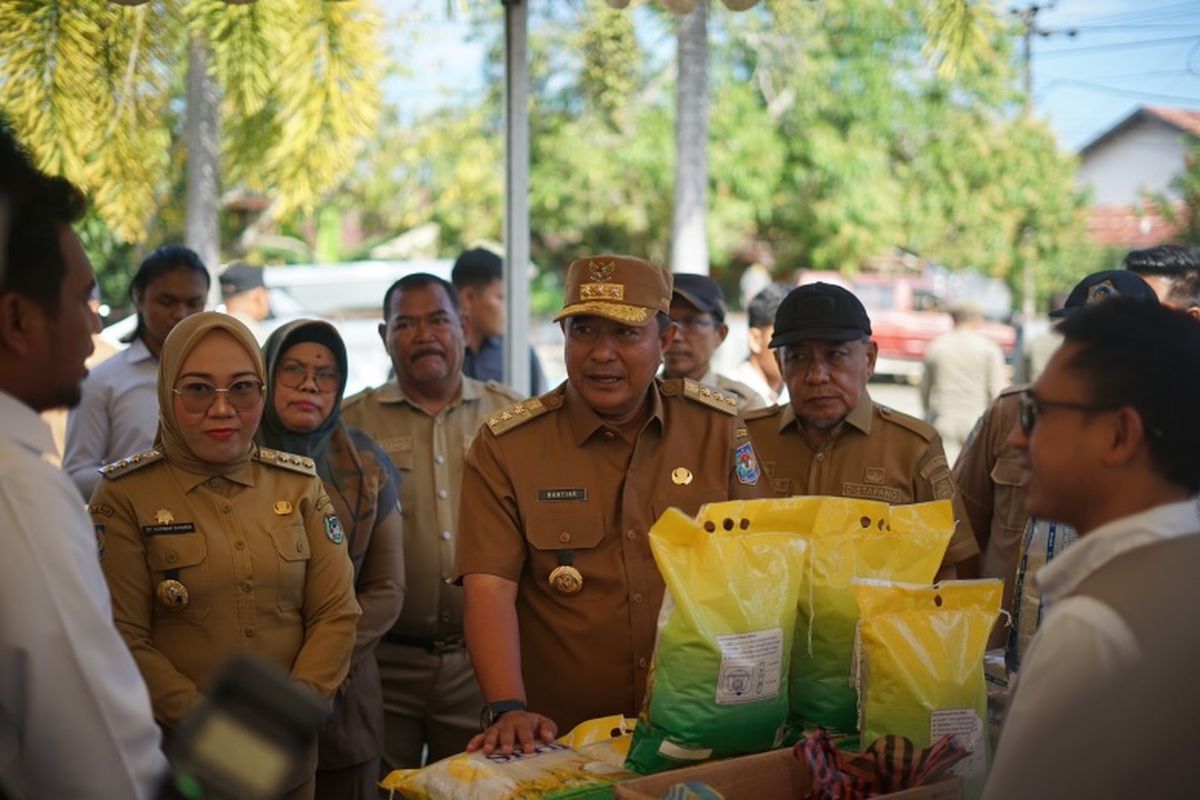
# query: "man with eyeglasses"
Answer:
x=1105 y=704
x=425 y=418
x=989 y=473
x=698 y=311
x=832 y=438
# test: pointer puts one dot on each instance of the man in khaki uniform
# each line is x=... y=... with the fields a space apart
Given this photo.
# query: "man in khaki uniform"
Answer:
x=425 y=419
x=698 y=311
x=559 y=493
x=831 y=439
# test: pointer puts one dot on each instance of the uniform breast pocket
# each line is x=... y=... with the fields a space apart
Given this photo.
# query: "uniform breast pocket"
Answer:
x=183 y=558
x=291 y=547
x=1008 y=507
x=565 y=537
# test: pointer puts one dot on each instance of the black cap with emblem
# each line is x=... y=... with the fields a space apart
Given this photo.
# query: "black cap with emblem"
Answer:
x=1104 y=286
x=820 y=311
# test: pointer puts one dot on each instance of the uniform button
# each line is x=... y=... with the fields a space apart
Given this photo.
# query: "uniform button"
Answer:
x=609 y=435
x=227 y=509
x=172 y=558
x=820 y=456
x=448 y=579
x=249 y=633
x=564 y=537
x=213 y=482
x=637 y=597
x=445 y=536
x=642 y=663
x=437 y=421
x=443 y=494
x=631 y=534
x=239 y=545
x=299 y=547
x=247 y=586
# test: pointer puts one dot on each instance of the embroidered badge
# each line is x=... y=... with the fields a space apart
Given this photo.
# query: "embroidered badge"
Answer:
x=333 y=529
x=164 y=516
x=874 y=475
x=745 y=464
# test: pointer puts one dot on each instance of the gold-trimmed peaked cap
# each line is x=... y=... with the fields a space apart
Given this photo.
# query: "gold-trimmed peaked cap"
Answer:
x=622 y=288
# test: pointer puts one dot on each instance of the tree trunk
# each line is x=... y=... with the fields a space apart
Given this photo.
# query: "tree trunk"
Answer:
x=689 y=242
x=203 y=137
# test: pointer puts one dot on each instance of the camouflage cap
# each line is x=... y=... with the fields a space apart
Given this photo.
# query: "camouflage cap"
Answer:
x=622 y=288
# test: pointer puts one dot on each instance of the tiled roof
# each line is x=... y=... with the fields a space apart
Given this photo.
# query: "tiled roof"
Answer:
x=1128 y=227
x=1185 y=119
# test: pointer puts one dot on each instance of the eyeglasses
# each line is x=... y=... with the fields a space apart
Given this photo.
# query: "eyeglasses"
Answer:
x=198 y=396
x=293 y=376
x=1032 y=406
x=695 y=324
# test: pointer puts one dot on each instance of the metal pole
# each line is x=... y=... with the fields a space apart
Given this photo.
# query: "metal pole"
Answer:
x=516 y=195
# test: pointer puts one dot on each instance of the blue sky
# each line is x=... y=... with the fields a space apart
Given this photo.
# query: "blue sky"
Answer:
x=1125 y=53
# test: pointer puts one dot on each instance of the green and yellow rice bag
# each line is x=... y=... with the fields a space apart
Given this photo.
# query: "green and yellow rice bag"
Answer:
x=582 y=765
x=718 y=681
x=919 y=664
x=848 y=539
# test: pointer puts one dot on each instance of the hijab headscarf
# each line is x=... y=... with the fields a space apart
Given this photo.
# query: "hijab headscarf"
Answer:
x=272 y=432
x=180 y=342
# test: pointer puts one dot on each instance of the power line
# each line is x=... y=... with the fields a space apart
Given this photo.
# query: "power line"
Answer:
x=1116 y=46
x=1126 y=75
x=1149 y=13
x=1121 y=92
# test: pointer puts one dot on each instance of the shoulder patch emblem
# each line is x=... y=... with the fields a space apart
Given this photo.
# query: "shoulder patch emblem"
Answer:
x=126 y=465
x=333 y=529
x=100 y=508
x=745 y=464
x=702 y=394
x=515 y=415
x=278 y=458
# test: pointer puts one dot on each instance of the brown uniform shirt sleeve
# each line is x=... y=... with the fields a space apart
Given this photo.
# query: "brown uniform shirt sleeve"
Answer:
x=490 y=530
x=330 y=610
x=973 y=476
x=750 y=482
x=934 y=482
x=381 y=583
x=172 y=695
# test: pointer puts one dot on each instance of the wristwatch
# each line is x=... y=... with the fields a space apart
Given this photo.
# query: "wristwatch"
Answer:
x=494 y=711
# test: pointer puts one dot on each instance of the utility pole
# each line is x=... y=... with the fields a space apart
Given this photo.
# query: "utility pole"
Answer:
x=1027 y=19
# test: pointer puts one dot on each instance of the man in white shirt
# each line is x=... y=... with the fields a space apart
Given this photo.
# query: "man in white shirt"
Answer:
x=760 y=371
x=75 y=716
x=1106 y=703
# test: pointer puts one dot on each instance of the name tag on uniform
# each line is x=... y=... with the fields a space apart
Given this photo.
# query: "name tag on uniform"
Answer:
x=561 y=495
x=166 y=530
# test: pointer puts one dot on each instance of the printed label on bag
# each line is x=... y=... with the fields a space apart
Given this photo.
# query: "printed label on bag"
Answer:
x=751 y=665
x=966 y=726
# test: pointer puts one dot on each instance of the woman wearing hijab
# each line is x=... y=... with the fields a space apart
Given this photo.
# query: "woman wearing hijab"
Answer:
x=306 y=369
x=212 y=546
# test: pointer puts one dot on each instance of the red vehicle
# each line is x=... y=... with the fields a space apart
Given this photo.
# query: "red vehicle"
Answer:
x=906 y=315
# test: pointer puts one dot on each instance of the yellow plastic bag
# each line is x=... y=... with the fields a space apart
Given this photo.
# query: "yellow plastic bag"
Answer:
x=718 y=681
x=919 y=664
x=848 y=539
x=582 y=764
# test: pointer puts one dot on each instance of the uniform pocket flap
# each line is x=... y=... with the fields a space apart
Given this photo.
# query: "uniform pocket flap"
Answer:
x=565 y=530
x=291 y=542
x=175 y=552
x=1008 y=471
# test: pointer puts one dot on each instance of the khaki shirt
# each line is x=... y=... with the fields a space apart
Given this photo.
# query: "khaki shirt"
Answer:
x=551 y=484
x=264 y=562
x=428 y=451
x=876 y=454
x=989 y=473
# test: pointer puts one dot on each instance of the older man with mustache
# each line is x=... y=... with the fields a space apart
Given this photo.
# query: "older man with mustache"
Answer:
x=425 y=418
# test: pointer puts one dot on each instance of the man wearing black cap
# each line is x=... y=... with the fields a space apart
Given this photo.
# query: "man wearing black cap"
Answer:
x=479 y=280
x=698 y=311
x=831 y=439
x=989 y=473
x=245 y=295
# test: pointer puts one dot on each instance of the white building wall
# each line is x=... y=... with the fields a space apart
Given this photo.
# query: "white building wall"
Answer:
x=1146 y=157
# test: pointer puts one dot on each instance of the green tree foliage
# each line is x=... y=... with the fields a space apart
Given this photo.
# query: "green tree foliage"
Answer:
x=94 y=87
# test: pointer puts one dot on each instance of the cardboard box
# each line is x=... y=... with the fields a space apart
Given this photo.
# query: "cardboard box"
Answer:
x=766 y=776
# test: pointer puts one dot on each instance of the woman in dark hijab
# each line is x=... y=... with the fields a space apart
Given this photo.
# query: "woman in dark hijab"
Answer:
x=306 y=369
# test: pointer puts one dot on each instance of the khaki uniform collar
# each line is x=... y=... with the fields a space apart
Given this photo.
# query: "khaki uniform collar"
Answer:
x=189 y=480
x=391 y=392
x=859 y=417
x=585 y=422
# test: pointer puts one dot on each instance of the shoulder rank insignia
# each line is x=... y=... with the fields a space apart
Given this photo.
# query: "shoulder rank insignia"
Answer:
x=128 y=464
x=709 y=397
x=506 y=419
x=295 y=463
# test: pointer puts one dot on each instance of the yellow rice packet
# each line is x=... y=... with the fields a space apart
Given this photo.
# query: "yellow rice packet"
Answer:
x=919 y=663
